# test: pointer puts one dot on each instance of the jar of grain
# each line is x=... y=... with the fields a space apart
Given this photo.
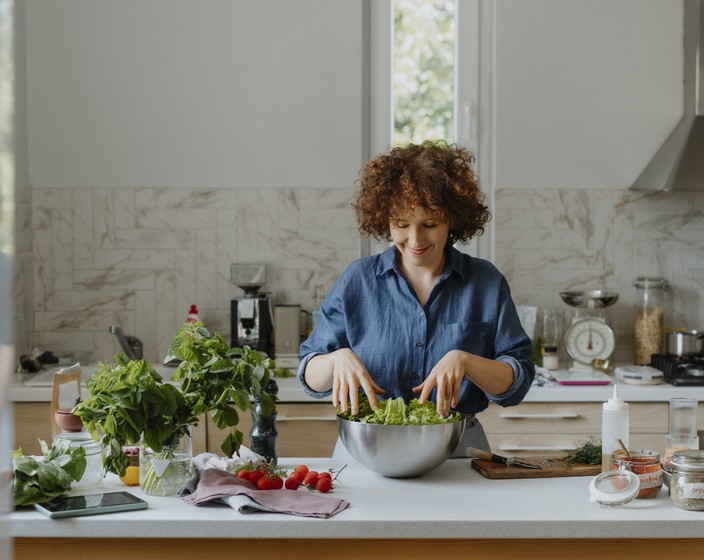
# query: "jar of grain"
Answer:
x=650 y=318
x=687 y=482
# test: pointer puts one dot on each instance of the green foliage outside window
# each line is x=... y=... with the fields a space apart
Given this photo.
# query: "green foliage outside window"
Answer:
x=423 y=73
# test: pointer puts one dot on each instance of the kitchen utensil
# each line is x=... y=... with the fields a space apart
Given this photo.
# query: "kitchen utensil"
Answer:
x=590 y=299
x=600 y=364
x=488 y=456
x=587 y=339
x=684 y=343
x=400 y=451
x=626 y=454
x=551 y=467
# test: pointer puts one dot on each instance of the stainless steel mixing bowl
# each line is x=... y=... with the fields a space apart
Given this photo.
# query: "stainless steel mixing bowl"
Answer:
x=400 y=451
x=590 y=299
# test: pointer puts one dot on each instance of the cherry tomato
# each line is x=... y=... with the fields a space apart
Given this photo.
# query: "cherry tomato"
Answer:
x=278 y=482
x=265 y=483
x=324 y=485
x=311 y=478
x=292 y=483
x=243 y=474
x=302 y=468
x=325 y=475
x=298 y=476
x=254 y=476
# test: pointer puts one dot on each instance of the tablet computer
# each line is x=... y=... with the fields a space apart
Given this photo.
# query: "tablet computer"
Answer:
x=91 y=504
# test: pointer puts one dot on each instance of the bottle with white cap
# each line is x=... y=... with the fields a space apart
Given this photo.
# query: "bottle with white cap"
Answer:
x=614 y=426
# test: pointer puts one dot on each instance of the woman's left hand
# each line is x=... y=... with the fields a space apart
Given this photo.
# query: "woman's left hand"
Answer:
x=446 y=376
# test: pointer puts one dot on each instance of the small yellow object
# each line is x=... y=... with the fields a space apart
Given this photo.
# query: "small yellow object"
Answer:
x=131 y=477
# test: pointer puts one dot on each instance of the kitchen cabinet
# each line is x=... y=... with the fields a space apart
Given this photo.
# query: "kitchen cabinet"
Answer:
x=552 y=429
x=305 y=430
x=33 y=422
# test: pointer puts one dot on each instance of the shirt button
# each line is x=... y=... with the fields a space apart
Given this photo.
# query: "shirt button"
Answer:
x=419 y=344
x=422 y=314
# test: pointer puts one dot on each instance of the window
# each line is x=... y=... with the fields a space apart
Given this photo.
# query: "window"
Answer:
x=423 y=84
x=425 y=61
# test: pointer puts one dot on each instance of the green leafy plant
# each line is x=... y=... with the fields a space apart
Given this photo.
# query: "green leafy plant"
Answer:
x=130 y=402
x=42 y=479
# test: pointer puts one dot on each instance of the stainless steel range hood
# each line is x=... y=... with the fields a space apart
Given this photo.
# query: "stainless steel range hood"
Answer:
x=679 y=163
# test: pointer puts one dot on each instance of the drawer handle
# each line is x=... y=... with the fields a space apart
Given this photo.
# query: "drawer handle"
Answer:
x=519 y=416
x=511 y=447
x=284 y=418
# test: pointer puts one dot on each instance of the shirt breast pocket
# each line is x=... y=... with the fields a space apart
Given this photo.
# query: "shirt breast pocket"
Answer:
x=470 y=337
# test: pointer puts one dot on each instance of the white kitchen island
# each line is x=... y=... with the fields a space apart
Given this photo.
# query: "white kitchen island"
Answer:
x=452 y=512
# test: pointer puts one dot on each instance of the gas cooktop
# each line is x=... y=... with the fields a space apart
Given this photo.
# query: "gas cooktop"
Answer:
x=680 y=370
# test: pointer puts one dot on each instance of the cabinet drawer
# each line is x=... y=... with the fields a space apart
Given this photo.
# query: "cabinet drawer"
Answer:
x=305 y=430
x=559 y=445
x=568 y=418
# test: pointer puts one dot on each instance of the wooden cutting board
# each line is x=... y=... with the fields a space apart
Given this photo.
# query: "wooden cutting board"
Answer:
x=553 y=468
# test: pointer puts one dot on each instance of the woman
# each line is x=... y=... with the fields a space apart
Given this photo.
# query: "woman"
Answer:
x=420 y=320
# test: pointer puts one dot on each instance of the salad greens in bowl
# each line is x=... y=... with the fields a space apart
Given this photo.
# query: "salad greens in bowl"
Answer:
x=399 y=439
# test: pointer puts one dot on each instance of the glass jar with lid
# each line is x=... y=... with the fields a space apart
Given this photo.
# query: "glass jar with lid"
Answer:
x=646 y=465
x=649 y=318
x=94 y=473
x=687 y=482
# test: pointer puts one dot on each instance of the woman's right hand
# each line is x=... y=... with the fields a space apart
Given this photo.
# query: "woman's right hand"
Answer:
x=346 y=374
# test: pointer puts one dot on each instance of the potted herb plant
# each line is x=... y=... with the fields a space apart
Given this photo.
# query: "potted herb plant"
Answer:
x=131 y=403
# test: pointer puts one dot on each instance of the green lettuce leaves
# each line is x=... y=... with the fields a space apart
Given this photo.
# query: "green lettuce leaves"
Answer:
x=396 y=412
x=41 y=479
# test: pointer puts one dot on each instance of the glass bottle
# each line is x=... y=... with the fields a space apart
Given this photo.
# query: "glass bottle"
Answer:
x=262 y=435
x=649 y=318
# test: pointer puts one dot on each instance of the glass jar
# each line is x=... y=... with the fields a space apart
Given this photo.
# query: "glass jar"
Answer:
x=646 y=465
x=165 y=472
x=94 y=473
x=649 y=318
x=687 y=482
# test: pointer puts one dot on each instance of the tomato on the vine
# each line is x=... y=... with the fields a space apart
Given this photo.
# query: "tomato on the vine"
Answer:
x=324 y=485
x=291 y=483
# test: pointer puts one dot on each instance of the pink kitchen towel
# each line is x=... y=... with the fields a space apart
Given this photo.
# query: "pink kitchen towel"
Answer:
x=216 y=484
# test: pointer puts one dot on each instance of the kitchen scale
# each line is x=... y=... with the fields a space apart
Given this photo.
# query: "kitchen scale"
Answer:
x=589 y=337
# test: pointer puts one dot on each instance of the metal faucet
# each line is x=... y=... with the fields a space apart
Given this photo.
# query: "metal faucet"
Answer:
x=131 y=345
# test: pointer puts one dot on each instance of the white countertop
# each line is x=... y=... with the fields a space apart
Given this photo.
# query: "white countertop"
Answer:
x=37 y=388
x=451 y=502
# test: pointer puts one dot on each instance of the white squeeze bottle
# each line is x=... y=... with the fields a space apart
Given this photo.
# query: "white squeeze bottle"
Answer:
x=614 y=425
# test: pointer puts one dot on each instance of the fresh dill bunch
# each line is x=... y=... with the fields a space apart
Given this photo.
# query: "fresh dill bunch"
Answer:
x=588 y=453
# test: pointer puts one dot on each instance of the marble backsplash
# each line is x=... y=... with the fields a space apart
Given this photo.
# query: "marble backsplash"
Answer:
x=138 y=257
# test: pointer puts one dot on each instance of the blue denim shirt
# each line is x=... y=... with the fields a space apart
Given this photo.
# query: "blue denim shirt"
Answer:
x=372 y=310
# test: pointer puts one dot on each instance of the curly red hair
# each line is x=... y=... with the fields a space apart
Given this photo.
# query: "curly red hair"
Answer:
x=433 y=175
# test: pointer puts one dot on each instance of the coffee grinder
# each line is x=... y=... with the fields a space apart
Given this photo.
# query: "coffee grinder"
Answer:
x=251 y=316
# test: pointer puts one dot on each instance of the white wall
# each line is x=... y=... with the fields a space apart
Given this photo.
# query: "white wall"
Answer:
x=586 y=90
x=214 y=93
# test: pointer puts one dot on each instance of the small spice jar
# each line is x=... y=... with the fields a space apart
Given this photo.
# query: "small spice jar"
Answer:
x=649 y=318
x=687 y=482
x=646 y=465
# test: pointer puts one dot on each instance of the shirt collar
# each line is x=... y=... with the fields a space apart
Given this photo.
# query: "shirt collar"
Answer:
x=387 y=262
